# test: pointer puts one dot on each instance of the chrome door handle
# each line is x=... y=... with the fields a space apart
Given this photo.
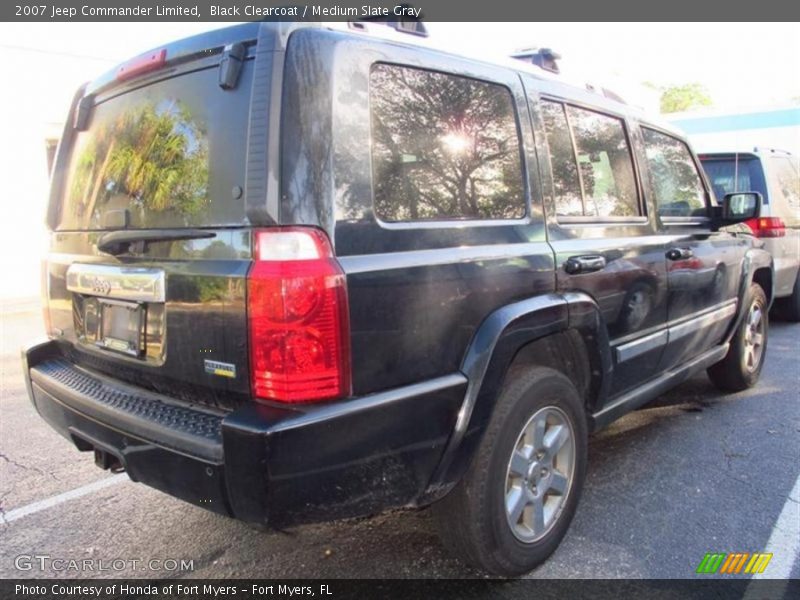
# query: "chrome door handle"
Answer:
x=679 y=253
x=576 y=265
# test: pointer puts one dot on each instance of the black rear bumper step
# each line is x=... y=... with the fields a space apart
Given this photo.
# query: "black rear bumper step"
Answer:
x=180 y=428
x=262 y=463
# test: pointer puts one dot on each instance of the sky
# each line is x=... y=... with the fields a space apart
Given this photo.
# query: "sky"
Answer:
x=742 y=66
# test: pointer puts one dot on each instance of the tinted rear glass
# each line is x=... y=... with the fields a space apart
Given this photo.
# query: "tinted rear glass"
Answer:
x=729 y=175
x=169 y=153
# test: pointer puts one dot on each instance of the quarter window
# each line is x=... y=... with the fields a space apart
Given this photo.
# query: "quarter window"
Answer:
x=591 y=161
x=443 y=147
x=677 y=185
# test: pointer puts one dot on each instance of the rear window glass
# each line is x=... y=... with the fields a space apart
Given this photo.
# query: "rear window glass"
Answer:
x=169 y=153
x=735 y=174
x=443 y=147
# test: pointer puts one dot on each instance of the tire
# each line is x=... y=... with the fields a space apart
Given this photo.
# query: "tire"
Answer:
x=789 y=308
x=742 y=365
x=472 y=519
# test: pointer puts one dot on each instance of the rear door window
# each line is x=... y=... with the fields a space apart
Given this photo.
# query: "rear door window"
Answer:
x=169 y=153
x=592 y=164
x=677 y=185
x=444 y=147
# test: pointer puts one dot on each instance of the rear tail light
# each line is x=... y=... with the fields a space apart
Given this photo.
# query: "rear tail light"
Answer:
x=767 y=227
x=298 y=318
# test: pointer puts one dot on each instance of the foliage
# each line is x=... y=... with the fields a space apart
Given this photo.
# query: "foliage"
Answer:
x=149 y=159
x=678 y=98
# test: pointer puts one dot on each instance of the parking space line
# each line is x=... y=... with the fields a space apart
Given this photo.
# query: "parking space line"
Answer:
x=41 y=505
x=784 y=545
x=784 y=542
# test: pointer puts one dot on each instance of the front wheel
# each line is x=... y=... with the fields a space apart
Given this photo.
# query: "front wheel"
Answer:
x=515 y=504
x=742 y=365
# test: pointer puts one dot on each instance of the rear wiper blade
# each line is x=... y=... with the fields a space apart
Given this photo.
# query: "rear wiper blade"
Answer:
x=117 y=242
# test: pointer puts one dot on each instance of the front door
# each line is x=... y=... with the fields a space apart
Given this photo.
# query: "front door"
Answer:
x=703 y=266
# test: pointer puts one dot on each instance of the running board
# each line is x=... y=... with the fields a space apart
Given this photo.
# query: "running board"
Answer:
x=654 y=388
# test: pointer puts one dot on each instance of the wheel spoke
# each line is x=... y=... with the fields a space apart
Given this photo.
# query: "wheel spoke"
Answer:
x=516 y=501
x=558 y=483
x=755 y=318
x=539 y=426
x=556 y=438
x=758 y=339
x=519 y=464
x=538 y=514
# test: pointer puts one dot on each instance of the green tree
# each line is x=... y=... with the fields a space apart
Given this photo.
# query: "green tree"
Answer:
x=677 y=98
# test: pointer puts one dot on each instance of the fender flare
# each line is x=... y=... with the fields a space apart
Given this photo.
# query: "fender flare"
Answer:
x=493 y=347
x=754 y=259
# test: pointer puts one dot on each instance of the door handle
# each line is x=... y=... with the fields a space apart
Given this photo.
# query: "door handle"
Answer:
x=584 y=264
x=679 y=253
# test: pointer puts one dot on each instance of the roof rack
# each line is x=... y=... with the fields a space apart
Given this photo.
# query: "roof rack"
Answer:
x=408 y=23
x=544 y=58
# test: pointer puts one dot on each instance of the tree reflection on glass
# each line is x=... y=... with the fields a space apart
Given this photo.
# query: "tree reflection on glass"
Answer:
x=604 y=167
x=150 y=159
x=443 y=147
x=676 y=183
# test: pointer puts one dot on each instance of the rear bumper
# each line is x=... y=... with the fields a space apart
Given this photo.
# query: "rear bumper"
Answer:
x=264 y=464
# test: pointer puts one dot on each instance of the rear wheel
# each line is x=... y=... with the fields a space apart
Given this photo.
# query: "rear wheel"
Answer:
x=742 y=365
x=514 y=505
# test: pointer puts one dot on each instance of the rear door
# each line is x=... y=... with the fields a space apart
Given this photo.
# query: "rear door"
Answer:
x=598 y=225
x=150 y=249
x=703 y=266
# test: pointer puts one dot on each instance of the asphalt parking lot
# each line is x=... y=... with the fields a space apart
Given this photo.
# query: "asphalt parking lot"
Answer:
x=694 y=472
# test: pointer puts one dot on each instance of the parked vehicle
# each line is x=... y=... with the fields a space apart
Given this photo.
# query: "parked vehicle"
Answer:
x=774 y=174
x=301 y=273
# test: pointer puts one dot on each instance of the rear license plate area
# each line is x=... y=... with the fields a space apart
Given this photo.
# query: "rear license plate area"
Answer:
x=121 y=326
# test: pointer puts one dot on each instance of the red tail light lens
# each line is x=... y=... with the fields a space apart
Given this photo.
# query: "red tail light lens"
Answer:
x=298 y=318
x=767 y=227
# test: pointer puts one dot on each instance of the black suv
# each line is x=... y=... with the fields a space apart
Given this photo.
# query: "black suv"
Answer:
x=301 y=273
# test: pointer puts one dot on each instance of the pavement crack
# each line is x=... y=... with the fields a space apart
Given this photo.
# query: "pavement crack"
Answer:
x=19 y=465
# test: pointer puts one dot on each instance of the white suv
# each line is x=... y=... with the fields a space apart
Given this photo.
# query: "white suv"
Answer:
x=774 y=174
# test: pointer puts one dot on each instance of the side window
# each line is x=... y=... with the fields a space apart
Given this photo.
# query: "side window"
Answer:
x=606 y=166
x=677 y=186
x=443 y=147
x=601 y=183
x=566 y=182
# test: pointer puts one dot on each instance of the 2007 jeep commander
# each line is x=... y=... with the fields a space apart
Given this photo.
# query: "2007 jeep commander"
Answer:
x=300 y=273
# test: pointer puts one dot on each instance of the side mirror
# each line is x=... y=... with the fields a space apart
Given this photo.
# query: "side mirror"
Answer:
x=740 y=207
